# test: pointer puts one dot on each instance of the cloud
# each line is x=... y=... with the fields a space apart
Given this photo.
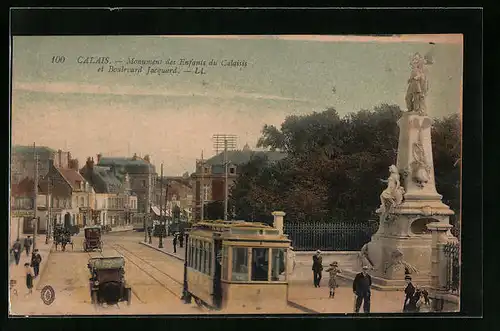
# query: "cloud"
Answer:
x=71 y=88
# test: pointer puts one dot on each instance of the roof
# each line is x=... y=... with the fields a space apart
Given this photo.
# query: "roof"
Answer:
x=29 y=149
x=126 y=164
x=244 y=156
x=72 y=177
x=102 y=179
x=107 y=262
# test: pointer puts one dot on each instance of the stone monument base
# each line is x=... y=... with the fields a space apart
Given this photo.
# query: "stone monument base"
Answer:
x=383 y=284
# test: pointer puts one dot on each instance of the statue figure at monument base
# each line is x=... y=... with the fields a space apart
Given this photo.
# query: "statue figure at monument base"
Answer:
x=392 y=196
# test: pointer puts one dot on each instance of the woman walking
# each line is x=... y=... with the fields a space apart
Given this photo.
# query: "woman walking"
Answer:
x=333 y=270
x=29 y=278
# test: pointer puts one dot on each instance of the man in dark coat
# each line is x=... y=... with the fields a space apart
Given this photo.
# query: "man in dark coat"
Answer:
x=410 y=304
x=361 y=288
x=36 y=259
x=317 y=267
x=27 y=245
x=175 y=243
x=16 y=250
x=181 y=239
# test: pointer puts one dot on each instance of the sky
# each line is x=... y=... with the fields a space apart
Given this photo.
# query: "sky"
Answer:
x=172 y=117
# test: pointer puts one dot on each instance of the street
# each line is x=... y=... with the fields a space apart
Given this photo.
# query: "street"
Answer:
x=155 y=278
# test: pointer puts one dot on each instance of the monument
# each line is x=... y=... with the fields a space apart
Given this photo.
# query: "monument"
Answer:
x=410 y=201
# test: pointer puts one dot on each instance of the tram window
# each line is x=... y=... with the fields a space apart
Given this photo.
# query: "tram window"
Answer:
x=195 y=257
x=260 y=264
x=278 y=264
x=200 y=257
x=224 y=264
x=191 y=254
x=209 y=271
x=203 y=257
x=240 y=264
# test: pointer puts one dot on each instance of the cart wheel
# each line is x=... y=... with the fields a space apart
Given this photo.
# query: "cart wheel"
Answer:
x=94 y=298
x=129 y=296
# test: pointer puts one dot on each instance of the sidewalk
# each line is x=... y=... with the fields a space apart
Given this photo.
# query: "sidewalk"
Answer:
x=316 y=299
x=16 y=272
x=168 y=247
x=122 y=228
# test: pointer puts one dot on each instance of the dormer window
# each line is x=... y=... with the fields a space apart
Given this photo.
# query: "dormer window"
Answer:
x=232 y=170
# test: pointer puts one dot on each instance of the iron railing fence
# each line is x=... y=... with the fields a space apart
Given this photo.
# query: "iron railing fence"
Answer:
x=329 y=236
x=452 y=254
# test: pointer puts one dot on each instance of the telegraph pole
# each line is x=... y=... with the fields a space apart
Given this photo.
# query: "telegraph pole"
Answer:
x=202 y=187
x=47 y=223
x=228 y=142
x=35 y=228
x=160 y=244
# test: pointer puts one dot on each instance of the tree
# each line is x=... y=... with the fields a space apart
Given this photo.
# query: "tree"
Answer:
x=334 y=165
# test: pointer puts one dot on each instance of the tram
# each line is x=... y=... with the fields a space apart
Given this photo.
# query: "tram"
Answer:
x=236 y=265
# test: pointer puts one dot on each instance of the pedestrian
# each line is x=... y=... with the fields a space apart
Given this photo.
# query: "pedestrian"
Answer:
x=424 y=303
x=362 y=292
x=181 y=240
x=36 y=259
x=27 y=245
x=16 y=251
x=409 y=304
x=317 y=268
x=175 y=243
x=333 y=270
x=29 y=277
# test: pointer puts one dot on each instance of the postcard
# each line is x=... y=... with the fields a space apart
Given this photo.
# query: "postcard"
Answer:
x=231 y=174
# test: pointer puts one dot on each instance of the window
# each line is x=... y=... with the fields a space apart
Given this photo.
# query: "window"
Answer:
x=278 y=264
x=209 y=267
x=143 y=183
x=240 y=264
x=199 y=257
x=203 y=265
x=260 y=264
x=225 y=269
x=191 y=258
x=82 y=201
x=232 y=170
x=205 y=192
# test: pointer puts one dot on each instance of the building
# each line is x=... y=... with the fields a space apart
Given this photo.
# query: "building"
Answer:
x=23 y=161
x=141 y=177
x=69 y=193
x=212 y=182
x=177 y=190
x=22 y=211
x=114 y=202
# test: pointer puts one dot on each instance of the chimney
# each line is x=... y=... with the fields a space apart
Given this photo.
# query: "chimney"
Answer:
x=134 y=157
x=51 y=163
x=73 y=164
x=70 y=163
x=99 y=157
x=59 y=156
x=146 y=158
x=278 y=220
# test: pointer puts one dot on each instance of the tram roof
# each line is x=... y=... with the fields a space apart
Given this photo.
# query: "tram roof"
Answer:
x=220 y=225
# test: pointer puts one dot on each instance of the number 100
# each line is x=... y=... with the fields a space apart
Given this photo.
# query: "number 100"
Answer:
x=58 y=59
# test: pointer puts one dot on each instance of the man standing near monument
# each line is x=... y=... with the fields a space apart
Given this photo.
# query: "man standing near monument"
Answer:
x=361 y=288
x=317 y=267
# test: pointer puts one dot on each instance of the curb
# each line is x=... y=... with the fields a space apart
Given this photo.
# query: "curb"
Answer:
x=43 y=266
x=162 y=251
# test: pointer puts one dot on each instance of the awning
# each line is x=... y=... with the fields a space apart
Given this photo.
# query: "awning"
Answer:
x=156 y=211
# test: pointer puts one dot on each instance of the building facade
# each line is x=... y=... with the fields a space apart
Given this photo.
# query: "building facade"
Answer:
x=141 y=177
x=209 y=177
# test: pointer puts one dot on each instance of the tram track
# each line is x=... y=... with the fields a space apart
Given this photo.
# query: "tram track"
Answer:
x=175 y=287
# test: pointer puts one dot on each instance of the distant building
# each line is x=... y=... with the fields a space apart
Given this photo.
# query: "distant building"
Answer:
x=177 y=190
x=23 y=161
x=141 y=177
x=212 y=184
x=114 y=202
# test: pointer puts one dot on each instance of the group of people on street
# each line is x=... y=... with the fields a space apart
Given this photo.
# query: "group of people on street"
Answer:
x=416 y=299
x=31 y=268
